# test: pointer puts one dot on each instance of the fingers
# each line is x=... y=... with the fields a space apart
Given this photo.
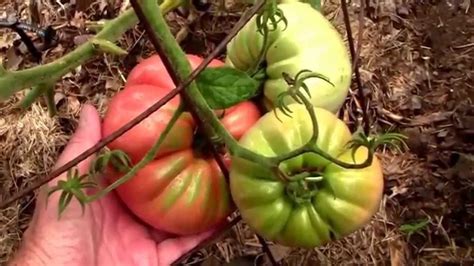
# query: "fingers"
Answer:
x=87 y=134
x=160 y=236
x=171 y=249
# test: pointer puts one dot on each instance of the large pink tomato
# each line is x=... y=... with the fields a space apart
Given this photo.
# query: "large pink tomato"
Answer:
x=182 y=191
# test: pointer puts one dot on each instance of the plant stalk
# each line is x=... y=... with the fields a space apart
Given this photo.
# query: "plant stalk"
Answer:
x=178 y=67
x=149 y=156
x=14 y=81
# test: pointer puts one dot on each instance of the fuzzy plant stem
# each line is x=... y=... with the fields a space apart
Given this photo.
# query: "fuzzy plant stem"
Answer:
x=14 y=81
x=178 y=66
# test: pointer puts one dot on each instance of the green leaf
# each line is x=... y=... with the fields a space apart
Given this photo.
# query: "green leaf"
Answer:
x=414 y=227
x=100 y=163
x=224 y=87
x=64 y=201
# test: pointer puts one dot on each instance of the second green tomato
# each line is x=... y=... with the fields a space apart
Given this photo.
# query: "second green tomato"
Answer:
x=309 y=42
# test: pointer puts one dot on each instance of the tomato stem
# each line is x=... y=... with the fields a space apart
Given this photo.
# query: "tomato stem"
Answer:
x=13 y=81
x=296 y=85
x=273 y=14
x=179 y=69
x=149 y=156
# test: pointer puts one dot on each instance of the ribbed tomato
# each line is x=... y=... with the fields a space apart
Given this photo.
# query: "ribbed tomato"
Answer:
x=309 y=42
x=330 y=203
x=182 y=191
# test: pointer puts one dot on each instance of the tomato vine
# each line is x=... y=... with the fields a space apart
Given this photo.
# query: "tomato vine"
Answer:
x=204 y=113
x=302 y=185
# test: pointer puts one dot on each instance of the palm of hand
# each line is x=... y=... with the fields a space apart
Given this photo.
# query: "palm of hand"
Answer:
x=105 y=234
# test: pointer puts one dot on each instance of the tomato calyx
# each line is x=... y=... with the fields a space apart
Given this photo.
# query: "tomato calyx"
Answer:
x=301 y=187
x=303 y=191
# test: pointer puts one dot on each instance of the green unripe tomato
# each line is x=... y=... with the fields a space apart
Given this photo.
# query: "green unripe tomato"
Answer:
x=310 y=42
x=340 y=201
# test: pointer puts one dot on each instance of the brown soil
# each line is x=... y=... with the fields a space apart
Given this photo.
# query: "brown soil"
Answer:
x=417 y=66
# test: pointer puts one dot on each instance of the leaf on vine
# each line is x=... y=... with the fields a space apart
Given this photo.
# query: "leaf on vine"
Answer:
x=64 y=201
x=100 y=163
x=224 y=87
x=414 y=227
x=372 y=143
x=120 y=161
x=72 y=187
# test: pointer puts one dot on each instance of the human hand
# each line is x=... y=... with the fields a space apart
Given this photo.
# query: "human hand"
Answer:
x=106 y=234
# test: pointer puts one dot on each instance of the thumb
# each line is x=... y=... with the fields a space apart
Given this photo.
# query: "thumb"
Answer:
x=87 y=134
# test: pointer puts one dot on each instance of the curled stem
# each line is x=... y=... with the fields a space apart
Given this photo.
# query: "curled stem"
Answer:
x=267 y=21
x=295 y=91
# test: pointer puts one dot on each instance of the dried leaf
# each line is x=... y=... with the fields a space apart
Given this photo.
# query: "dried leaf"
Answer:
x=112 y=83
x=430 y=118
x=13 y=59
x=398 y=252
x=279 y=252
x=416 y=102
x=73 y=105
x=58 y=98
x=80 y=39
x=78 y=20
x=464 y=167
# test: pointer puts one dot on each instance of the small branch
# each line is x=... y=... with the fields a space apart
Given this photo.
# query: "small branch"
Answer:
x=360 y=91
x=149 y=156
x=14 y=81
x=32 y=95
x=366 y=163
x=49 y=97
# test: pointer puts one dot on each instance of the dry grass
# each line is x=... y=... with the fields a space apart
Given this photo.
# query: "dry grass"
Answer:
x=407 y=66
x=29 y=145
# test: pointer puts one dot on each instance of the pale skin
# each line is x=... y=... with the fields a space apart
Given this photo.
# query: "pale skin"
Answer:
x=106 y=234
